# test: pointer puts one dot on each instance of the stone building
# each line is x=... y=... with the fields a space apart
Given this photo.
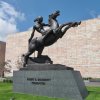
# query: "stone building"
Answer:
x=2 y=56
x=2 y=51
x=78 y=48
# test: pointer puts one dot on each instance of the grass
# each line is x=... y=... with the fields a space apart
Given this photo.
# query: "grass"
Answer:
x=6 y=94
x=94 y=93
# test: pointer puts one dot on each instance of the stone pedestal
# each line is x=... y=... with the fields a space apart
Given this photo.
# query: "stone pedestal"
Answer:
x=50 y=80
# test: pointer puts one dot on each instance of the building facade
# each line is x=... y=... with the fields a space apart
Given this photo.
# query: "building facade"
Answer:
x=2 y=57
x=2 y=51
x=78 y=48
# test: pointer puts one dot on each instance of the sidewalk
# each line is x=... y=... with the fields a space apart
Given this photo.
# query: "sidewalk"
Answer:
x=97 y=84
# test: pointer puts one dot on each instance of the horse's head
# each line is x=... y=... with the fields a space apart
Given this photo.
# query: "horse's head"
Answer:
x=55 y=14
x=52 y=19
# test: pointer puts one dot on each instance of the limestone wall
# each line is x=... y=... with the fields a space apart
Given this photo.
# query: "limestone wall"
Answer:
x=79 y=48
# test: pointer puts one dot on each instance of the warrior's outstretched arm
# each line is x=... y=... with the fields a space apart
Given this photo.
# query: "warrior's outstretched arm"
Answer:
x=32 y=34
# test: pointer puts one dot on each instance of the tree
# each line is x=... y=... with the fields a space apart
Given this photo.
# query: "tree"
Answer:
x=20 y=61
x=5 y=67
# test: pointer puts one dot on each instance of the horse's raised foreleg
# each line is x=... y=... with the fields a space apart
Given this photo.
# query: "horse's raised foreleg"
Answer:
x=63 y=25
x=63 y=31
x=75 y=24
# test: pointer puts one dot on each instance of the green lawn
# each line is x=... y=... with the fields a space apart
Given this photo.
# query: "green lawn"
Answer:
x=94 y=93
x=6 y=93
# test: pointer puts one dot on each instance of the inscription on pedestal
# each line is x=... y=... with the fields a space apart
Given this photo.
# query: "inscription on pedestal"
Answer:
x=38 y=81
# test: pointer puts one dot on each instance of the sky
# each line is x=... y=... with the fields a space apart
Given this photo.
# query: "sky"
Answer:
x=18 y=15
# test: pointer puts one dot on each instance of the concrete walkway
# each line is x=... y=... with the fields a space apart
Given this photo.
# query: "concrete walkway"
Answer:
x=92 y=84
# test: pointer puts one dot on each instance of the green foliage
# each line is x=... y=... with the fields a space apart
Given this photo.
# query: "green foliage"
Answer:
x=87 y=78
x=90 y=78
x=5 y=67
x=8 y=80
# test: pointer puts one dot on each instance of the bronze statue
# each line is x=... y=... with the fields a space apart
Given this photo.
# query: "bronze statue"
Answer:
x=49 y=36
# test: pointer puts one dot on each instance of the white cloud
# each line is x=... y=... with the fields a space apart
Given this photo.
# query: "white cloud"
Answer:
x=8 y=19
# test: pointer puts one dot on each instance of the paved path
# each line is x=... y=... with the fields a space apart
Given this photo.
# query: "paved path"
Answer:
x=92 y=84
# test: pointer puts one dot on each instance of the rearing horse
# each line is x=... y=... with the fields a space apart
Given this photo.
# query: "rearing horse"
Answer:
x=55 y=32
